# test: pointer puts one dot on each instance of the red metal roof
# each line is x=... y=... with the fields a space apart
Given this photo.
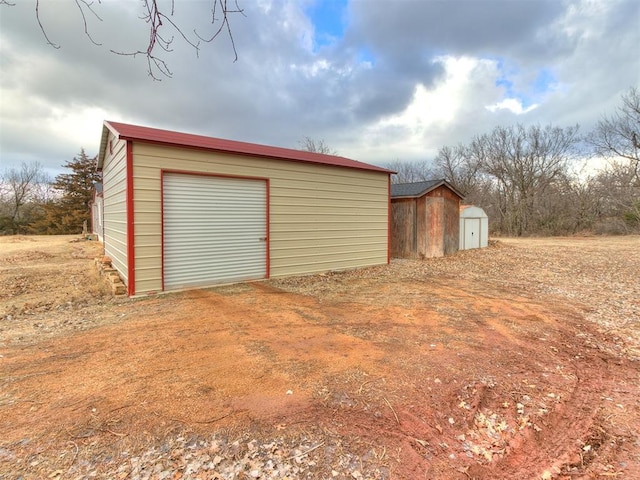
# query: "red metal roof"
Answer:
x=176 y=139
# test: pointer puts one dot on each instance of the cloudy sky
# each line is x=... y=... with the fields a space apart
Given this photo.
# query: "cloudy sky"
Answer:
x=377 y=80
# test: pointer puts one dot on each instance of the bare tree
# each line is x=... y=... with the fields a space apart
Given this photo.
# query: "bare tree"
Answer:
x=460 y=167
x=159 y=17
x=618 y=136
x=510 y=170
x=316 y=146
x=411 y=171
x=18 y=188
x=618 y=195
x=525 y=162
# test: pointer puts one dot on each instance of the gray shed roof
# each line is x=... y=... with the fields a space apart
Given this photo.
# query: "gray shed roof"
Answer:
x=418 y=189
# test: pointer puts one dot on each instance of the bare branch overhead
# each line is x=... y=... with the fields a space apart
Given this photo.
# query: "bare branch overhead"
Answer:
x=162 y=29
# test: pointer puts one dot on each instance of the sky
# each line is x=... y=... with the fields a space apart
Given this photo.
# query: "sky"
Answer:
x=379 y=81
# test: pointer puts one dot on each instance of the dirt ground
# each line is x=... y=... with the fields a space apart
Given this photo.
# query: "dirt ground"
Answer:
x=517 y=361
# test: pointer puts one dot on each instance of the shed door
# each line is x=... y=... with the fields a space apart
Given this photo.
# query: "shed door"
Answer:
x=471 y=233
x=214 y=230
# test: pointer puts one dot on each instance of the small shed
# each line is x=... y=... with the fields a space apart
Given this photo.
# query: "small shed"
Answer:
x=474 y=227
x=424 y=219
x=185 y=211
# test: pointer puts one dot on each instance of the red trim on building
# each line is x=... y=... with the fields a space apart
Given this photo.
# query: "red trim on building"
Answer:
x=131 y=262
x=389 y=221
x=207 y=174
x=162 y=172
x=218 y=175
x=268 y=232
x=177 y=139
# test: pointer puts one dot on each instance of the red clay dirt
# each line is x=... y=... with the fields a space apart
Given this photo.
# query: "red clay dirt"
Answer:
x=420 y=369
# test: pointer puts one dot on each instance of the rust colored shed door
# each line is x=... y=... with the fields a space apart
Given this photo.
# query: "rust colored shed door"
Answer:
x=214 y=230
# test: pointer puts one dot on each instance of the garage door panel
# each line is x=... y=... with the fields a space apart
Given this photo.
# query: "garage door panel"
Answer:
x=214 y=230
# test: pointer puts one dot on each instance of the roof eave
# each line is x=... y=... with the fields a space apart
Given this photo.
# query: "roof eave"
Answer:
x=104 y=140
x=403 y=197
x=431 y=189
x=241 y=148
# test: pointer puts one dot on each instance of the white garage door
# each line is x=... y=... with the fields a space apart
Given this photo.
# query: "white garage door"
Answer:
x=215 y=230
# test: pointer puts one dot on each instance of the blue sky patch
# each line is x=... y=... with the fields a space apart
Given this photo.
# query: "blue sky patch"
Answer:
x=544 y=81
x=528 y=92
x=329 y=20
x=365 y=56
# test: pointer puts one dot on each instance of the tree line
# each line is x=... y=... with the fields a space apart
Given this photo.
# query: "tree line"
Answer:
x=32 y=203
x=527 y=179
x=532 y=180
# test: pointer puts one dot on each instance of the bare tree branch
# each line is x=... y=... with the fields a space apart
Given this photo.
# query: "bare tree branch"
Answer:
x=160 y=22
x=618 y=135
x=317 y=146
x=225 y=23
x=410 y=171
x=79 y=3
x=157 y=19
x=54 y=45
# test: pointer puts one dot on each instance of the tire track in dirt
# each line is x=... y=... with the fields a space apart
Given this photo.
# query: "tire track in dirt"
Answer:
x=531 y=453
x=544 y=454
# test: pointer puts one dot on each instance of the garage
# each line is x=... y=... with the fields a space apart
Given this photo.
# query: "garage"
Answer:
x=186 y=211
x=215 y=230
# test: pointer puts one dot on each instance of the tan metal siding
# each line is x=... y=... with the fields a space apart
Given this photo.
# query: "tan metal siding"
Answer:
x=321 y=217
x=115 y=205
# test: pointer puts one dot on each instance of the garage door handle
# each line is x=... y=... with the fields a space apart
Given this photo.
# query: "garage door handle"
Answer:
x=263 y=239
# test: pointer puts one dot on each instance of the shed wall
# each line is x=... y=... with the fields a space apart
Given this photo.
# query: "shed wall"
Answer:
x=430 y=227
x=442 y=226
x=115 y=205
x=321 y=217
x=450 y=221
x=403 y=228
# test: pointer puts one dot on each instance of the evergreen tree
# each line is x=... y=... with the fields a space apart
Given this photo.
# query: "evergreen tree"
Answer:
x=73 y=208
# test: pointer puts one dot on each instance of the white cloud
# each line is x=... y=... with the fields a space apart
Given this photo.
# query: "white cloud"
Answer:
x=400 y=84
x=514 y=105
x=82 y=126
x=415 y=132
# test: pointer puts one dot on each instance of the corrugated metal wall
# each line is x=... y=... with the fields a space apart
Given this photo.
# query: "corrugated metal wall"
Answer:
x=321 y=217
x=115 y=205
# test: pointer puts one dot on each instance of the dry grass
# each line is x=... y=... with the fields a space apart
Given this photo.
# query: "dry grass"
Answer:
x=515 y=361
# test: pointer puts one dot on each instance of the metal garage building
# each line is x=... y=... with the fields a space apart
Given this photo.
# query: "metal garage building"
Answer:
x=184 y=211
x=424 y=219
